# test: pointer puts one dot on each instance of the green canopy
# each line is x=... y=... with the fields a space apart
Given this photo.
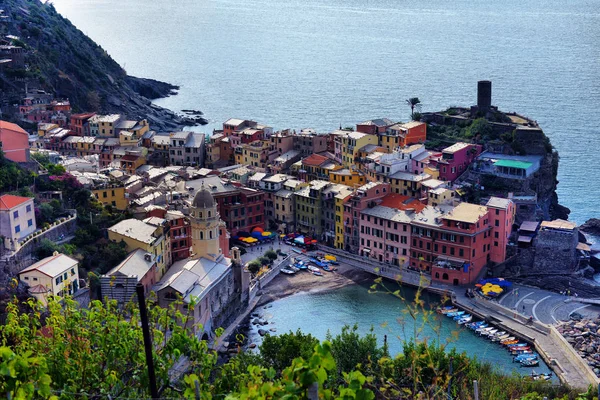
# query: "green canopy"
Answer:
x=513 y=164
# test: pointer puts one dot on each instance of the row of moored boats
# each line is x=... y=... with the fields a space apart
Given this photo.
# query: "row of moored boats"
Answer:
x=521 y=351
x=314 y=265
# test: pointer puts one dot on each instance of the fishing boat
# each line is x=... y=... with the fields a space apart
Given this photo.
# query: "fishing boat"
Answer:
x=460 y=316
x=447 y=311
x=312 y=268
x=508 y=341
x=500 y=338
x=317 y=262
x=530 y=363
x=525 y=357
x=541 y=377
x=489 y=333
x=478 y=325
x=301 y=265
x=293 y=268
x=317 y=273
x=287 y=271
x=483 y=330
x=465 y=320
x=515 y=345
x=454 y=314
x=327 y=268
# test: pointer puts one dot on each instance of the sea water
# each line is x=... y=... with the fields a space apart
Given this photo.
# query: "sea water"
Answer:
x=326 y=63
x=320 y=312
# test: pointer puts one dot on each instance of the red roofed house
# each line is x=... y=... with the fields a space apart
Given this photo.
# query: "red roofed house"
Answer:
x=17 y=217
x=14 y=142
x=313 y=167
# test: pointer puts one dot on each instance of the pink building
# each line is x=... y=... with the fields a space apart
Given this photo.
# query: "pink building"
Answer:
x=455 y=160
x=385 y=234
x=502 y=215
x=14 y=142
x=368 y=195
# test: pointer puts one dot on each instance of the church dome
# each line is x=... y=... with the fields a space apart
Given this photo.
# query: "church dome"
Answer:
x=203 y=199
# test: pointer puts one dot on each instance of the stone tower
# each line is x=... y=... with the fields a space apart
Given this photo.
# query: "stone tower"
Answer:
x=205 y=223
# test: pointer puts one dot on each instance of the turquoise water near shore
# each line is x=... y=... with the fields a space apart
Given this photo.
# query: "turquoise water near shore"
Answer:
x=320 y=312
x=322 y=63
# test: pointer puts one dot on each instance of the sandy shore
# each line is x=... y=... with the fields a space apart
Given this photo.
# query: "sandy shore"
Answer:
x=303 y=281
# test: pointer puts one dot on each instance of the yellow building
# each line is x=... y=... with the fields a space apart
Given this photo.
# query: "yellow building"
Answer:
x=44 y=128
x=254 y=153
x=57 y=275
x=440 y=196
x=104 y=125
x=340 y=199
x=131 y=162
x=128 y=138
x=433 y=171
x=347 y=176
x=407 y=184
x=143 y=235
x=348 y=145
x=112 y=195
x=85 y=146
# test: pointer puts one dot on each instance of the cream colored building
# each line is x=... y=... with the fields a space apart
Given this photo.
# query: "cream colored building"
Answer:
x=147 y=235
x=57 y=275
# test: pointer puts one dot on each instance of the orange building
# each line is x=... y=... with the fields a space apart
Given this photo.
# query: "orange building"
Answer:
x=79 y=123
x=14 y=142
x=400 y=135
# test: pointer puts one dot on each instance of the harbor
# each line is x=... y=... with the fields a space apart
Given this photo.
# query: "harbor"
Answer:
x=537 y=343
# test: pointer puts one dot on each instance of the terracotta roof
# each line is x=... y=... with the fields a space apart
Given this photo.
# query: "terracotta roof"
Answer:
x=12 y=127
x=314 y=160
x=83 y=115
x=9 y=201
x=129 y=157
x=400 y=202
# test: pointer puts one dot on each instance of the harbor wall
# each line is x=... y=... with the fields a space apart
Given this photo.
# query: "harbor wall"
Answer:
x=574 y=357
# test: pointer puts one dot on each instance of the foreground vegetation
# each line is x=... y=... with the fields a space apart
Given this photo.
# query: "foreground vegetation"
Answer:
x=70 y=353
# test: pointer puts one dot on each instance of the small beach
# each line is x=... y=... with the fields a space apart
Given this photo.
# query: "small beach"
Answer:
x=303 y=281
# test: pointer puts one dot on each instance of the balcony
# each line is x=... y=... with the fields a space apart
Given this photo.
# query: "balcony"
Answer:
x=451 y=263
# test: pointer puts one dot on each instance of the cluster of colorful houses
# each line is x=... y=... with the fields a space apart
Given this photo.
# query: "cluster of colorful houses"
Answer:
x=375 y=191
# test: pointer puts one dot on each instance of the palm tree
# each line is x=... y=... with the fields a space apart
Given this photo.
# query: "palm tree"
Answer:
x=413 y=102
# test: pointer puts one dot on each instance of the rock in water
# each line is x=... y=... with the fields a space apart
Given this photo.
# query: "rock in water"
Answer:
x=262 y=332
x=592 y=226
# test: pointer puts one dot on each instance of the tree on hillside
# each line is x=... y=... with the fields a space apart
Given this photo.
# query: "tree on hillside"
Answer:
x=413 y=103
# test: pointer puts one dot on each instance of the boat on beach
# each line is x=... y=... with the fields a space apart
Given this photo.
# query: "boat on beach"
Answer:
x=317 y=273
x=287 y=271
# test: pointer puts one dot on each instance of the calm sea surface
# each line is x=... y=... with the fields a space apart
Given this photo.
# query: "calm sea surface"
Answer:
x=322 y=63
x=319 y=313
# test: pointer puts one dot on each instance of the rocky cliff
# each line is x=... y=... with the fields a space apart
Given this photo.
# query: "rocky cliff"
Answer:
x=62 y=60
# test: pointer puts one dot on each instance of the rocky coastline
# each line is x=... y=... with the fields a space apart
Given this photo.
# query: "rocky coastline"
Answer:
x=584 y=336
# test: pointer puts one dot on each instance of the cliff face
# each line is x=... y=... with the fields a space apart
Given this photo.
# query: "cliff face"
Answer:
x=61 y=59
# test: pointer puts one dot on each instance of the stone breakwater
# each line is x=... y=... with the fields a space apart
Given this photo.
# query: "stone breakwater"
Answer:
x=584 y=336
